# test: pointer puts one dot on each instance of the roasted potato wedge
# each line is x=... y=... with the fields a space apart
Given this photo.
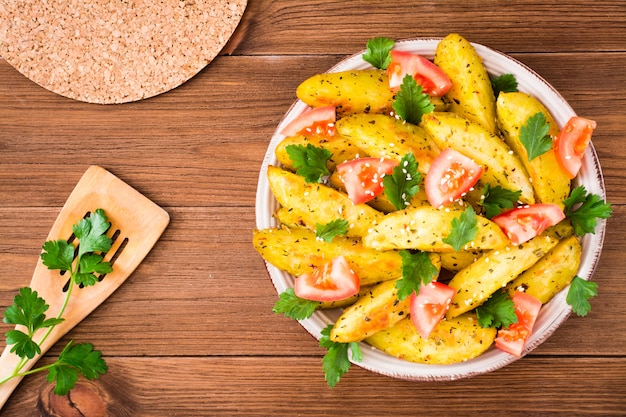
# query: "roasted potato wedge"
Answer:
x=425 y=227
x=549 y=180
x=471 y=94
x=317 y=203
x=453 y=340
x=501 y=166
x=495 y=269
x=455 y=261
x=297 y=251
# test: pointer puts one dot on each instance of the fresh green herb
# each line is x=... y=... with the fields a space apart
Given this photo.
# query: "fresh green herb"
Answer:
x=336 y=361
x=378 y=52
x=464 y=229
x=583 y=209
x=495 y=199
x=579 y=293
x=28 y=308
x=535 y=137
x=417 y=269
x=411 y=102
x=309 y=161
x=504 y=83
x=403 y=183
x=293 y=306
x=328 y=231
x=497 y=311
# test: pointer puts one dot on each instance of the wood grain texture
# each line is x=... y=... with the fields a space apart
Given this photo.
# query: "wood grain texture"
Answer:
x=191 y=332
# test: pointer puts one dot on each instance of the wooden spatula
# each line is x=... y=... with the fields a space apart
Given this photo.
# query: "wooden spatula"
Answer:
x=136 y=225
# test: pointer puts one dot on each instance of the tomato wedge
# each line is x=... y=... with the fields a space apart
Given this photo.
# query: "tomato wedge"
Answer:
x=513 y=338
x=523 y=223
x=450 y=176
x=570 y=145
x=313 y=121
x=332 y=281
x=363 y=177
x=429 y=306
x=433 y=80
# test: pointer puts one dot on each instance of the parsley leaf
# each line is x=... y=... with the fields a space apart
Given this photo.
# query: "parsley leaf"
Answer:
x=411 y=102
x=579 y=293
x=464 y=229
x=403 y=183
x=328 y=231
x=494 y=199
x=294 y=307
x=309 y=161
x=535 y=137
x=378 y=52
x=79 y=358
x=497 y=311
x=58 y=254
x=90 y=231
x=504 y=83
x=417 y=269
x=584 y=209
x=336 y=361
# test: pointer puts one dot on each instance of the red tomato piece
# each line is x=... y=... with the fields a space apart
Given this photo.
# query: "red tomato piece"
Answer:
x=331 y=282
x=314 y=121
x=450 y=176
x=430 y=305
x=363 y=177
x=432 y=79
x=513 y=338
x=523 y=223
x=570 y=145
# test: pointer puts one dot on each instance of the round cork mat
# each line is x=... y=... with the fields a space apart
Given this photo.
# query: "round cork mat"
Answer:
x=114 y=51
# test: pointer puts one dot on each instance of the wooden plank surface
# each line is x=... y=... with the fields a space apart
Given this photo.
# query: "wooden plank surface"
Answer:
x=191 y=333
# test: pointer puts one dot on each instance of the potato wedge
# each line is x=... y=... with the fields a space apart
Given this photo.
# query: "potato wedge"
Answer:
x=502 y=166
x=425 y=227
x=355 y=91
x=455 y=261
x=494 y=270
x=341 y=149
x=551 y=273
x=471 y=94
x=383 y=136
x=549 y=180
x=317 y=203
x=454 y=340
x=297 y=251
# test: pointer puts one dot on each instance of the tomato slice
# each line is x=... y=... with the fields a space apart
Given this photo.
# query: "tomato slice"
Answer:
x=570 y=145
x=450 y=176
x=429 y=306
x=432 y=79
x=513 y=338
x=318 y=121
x=332 y=281
x=363 y=177
x=523 y=223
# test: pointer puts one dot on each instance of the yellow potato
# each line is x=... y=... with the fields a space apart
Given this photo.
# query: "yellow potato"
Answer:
x=317 y=203
x=383 y=136
x=297 y=251
x=342 y=150
x=471 y=94
x=455 y=261
x=549 y=180
x=501 y=166
x=495 y=269
x=355 y=91
x=454 y=340
x=425 y=227
x=551 y=273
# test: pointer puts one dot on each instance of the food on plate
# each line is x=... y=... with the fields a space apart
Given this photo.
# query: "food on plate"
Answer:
x=440 y=205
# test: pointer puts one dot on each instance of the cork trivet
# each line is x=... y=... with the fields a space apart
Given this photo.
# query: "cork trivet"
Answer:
x=114 y=51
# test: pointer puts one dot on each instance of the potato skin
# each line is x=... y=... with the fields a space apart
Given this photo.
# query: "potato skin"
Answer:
x=453 y=340
x=471 y=94
x=549 y=180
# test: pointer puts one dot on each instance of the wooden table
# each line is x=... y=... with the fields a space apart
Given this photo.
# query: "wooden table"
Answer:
x=191 y=333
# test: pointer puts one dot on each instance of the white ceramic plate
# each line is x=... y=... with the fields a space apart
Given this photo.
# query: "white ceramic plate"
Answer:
x=552 y=314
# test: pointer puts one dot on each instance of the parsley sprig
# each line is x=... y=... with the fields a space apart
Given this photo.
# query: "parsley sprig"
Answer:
x=464 y=229
x=403 y=183
x=411 y=102
x=583 y=209
x=579 y=293
x=495 y=199
x=29 y=309
x=417 y=269
x=378 y=52
x=309 y=161
x=497 y=311
x=503 y=83
x=535 y=137
x=328 y=231
x=336 y=361
x=294 y=307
